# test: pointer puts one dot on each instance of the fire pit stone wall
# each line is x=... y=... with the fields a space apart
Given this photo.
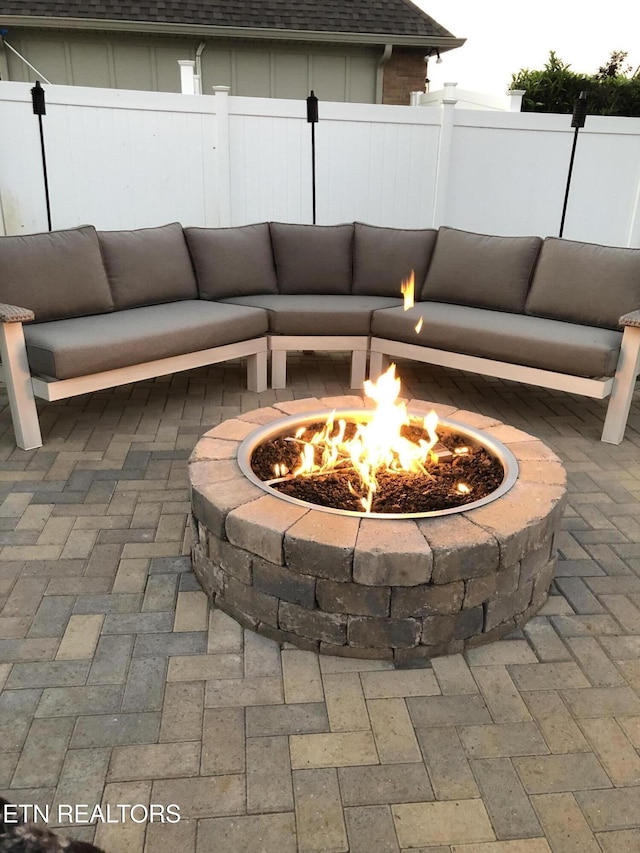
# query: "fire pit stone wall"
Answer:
x=371 y=587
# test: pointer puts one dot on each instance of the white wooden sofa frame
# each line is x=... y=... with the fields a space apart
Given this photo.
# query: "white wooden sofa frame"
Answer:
x=621 y=386
x=280 y=345
x=22 y=388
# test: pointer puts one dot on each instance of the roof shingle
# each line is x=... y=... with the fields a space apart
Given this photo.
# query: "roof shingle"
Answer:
x=393 y=17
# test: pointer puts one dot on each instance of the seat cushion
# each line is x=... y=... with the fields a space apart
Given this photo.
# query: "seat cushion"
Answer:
x=318 y=315
x=232 y=261
x=384 y=257
x=480 y=270
x=514 y=338
x=85 y=345
x=58 y=274
x=585 y=283
x=148 y=265
x=313 y=258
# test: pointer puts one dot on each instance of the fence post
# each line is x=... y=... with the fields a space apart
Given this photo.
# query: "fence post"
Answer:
x=223 y=155
x=514 y=100
x=443 y=163
x=187 y=76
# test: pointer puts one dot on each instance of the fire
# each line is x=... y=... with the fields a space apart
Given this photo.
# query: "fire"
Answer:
x=407 y=288
x=378 y=444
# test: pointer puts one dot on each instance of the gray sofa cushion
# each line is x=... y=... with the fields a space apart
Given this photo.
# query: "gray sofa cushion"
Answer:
x=60 y=274
x=480 y=270
x=313 y=258
x=318 y=315
x=148 y=265
x=383 y=257
x=85 y=345
x=585 y=283
x=232 y=261
x=515 y=338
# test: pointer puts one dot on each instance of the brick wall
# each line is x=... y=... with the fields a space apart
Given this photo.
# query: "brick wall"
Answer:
x=404 y=73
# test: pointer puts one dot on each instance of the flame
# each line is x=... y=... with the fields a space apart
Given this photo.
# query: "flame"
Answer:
x=378 y=444
x=407 y=288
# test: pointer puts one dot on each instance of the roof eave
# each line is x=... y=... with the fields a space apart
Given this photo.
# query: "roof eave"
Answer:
x=443 y=43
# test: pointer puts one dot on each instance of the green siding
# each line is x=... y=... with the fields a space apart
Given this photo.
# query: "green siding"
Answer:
x=257 y=69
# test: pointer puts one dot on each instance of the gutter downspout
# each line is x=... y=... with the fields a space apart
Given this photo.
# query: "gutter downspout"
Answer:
x=386 y=56
x=198 y=74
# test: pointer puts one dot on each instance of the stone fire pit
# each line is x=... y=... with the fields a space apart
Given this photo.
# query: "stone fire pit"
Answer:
x=389 y=588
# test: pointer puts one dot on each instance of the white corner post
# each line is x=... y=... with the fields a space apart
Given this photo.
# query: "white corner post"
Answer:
x=447 y=122
x=222 y=154
x=16 y=375
x=187 y=76
x=514 y=100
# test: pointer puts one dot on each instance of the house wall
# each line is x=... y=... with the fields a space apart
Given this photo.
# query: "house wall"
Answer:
x=125 y=159
x=403 y=74
x=259 y=68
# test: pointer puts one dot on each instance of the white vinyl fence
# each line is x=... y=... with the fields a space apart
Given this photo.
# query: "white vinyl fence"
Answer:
x=122 y=159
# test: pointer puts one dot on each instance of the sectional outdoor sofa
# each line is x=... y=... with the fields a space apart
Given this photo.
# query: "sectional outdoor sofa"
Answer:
x=84 y=310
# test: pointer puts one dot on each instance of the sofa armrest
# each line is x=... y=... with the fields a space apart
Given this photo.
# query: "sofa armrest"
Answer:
x=630 y=319
x=15 y=314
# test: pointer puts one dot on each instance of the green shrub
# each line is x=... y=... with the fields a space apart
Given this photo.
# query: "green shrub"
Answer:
x=555 y=88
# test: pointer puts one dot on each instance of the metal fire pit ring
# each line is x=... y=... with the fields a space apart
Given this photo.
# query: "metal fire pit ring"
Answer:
x=400 y=589
x=284 y=425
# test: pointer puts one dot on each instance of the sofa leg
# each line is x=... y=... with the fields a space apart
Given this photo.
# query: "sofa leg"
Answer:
x=278 y=368
x=257 y=372
x=19 y=389
x=358 y=368
x=378 y=363
x=623 y=387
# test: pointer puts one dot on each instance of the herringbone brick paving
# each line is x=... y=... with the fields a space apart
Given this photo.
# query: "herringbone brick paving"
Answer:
x=118 y=685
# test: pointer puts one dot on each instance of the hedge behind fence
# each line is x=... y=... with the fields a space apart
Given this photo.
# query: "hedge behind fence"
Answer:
x=554 y=88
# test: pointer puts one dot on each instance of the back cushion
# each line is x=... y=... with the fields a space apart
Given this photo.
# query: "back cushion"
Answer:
x=383 y=257
x=313 y=258
x=585 y=283
x=481 y=271
x=232 y=261
x=56 y=275
x=148 y=266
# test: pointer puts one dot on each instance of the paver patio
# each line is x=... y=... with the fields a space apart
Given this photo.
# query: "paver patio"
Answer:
x=118 y=685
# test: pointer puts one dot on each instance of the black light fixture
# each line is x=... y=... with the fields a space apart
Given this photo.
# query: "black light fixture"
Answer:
x=312 y=119
x=40 y=109
x=577 y=121
x=427 y=57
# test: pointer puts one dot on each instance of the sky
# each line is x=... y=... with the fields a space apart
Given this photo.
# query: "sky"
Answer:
x=503 y=37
